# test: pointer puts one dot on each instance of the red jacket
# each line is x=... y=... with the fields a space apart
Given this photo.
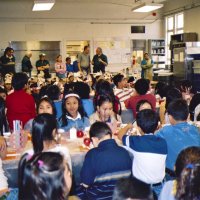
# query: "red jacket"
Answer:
x=20 y=106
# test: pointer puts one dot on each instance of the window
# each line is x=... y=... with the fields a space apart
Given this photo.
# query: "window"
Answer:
x=174 y=25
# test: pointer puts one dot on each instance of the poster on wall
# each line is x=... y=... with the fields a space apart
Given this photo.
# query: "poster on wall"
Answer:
x=117 y=50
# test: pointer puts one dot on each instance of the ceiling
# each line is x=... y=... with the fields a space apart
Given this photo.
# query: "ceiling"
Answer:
x=92 y=11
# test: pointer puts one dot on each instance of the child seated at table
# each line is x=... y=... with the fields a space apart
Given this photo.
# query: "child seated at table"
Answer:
x=103 y=165
x=149 y=151
x=45 y=175
x=132 y=188
x=73 y=113
x=45 y=105
x=46 y=138
x=104 y=112
x=184 y=167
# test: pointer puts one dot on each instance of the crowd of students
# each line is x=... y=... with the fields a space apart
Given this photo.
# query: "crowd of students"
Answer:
x=159 y=155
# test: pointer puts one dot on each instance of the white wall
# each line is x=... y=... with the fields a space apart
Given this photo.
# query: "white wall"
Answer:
x=191 y=15
x=55 y=31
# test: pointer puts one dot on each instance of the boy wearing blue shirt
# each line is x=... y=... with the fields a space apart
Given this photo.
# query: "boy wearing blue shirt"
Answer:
x=103 y=165
x=180 y=134
x=149 y=152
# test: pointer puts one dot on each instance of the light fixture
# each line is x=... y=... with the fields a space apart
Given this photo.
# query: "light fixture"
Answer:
x=42 y=5
x=147 y=7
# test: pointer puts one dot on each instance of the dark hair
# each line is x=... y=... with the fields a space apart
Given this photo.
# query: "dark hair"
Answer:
x=19 y=80
x=68 y=58
x=3 y=121
x=132 y=188
x=147 y=120
x=99 y=130
x=48 y=100
x=198 y=117
x=82 y=89
x=140 y=103
x=103 y=87
x=193 y=104
x=43 y=91
x=117 y=79
x=178 y=109
x=131 y=79
x=188 y=185
x=160 y=89
x=103 y=98
x=42 y=130
x=185 y=84
x=3 y=90
x=189 y=155
x=42 y=177
x=64 y=120
x=7 y=50
x=53 y=92
x=141 y=86
x=172 y=94
x=85 y=47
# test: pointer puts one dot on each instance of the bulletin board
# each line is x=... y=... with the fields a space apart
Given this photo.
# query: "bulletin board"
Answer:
x=117 y=50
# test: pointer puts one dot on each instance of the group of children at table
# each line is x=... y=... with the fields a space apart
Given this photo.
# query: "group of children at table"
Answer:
x=46 y=171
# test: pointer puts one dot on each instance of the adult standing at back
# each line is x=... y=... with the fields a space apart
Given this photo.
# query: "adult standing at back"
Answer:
x=26 y=63
x=43 y=65
x=99 y=61
x=20 y=105
x=147 y=65
x=84 y=60
x=7 y=61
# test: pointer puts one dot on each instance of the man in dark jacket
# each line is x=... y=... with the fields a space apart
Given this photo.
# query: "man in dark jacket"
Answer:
x=26 y=63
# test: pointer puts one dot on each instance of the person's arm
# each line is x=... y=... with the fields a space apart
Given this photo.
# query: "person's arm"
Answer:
x=104 y=61
x=79 y=62
x=124 y=130
x=47 y=65
x=87 y=174
x=3 y=148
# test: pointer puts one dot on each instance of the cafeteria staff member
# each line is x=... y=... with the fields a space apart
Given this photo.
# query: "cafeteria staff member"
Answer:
x=43 y=65
x=147 y=67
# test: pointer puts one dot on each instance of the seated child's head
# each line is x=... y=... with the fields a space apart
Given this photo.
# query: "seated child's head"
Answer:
x=147 y=121
x=132 y=188
x=172 y=94
x=99 y=131
x=187 y=169
x=46 y=105
x=44 y=130
x=119 y=81
x=178 y=111
x=82 y=89
x=44 y=176
x=186 y=86
x=104 y=107
x=53 y=92
x=142 y=105
x=3 y=93
x=141 y=86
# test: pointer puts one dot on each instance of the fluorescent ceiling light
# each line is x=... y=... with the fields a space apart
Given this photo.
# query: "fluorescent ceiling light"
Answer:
x=42 y=5
x=147 y=7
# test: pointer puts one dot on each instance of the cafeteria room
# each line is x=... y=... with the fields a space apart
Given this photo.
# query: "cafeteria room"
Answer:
x=99 y=99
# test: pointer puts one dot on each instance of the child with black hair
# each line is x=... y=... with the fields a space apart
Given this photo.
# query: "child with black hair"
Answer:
x=180 y=134
x=132 y=188
x=53 y=92
x=44 y=175
x=187 y=182
x=73 y=113
x=149 y=151
x=120 y=89
x=141 y=88
x=103 y=165
x=20 y=105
